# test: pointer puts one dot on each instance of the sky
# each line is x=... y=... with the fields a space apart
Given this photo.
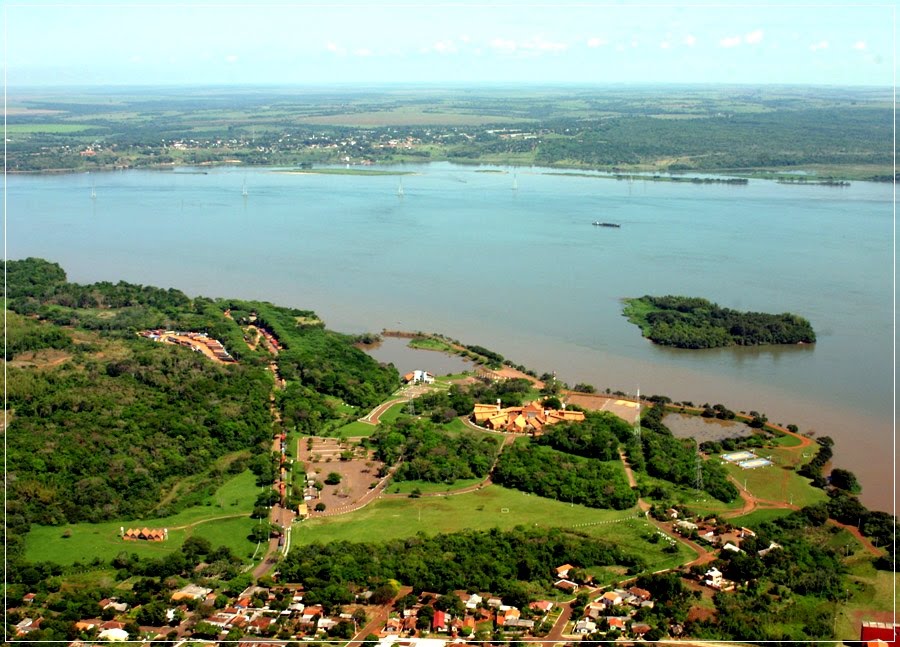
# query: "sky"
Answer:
x=140 y=43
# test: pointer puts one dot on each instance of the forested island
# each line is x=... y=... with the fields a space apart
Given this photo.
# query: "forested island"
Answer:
x=691 y=322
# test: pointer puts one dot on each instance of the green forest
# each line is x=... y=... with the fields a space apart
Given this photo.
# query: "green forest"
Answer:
x=518 y=565
x=834 y=133
x=433 y=454
x=109 y=425
x=690 y=322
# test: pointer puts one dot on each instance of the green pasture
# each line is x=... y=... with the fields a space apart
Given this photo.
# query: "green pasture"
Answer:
x=391 y=414
x=356 y=429
x=431 y=343
x=871 y=592
x=29 y=129
x=755 y=518
x=426 y=487
x=777 y=483
x=699 y=502
x=490 y=507
x=224 y=520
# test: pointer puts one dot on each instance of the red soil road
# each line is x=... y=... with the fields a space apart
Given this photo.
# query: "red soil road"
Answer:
x=376 y=624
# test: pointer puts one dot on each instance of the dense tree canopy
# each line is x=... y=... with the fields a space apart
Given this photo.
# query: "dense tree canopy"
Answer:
x=556 y=475
x=688 y=322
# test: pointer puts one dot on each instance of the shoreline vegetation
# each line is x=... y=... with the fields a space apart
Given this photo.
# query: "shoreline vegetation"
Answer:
x=694 y=323
x=342 y=171
x=832 y=136
x=521 y=494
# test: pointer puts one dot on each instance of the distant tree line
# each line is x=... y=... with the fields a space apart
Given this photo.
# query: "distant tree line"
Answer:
x=516 y=564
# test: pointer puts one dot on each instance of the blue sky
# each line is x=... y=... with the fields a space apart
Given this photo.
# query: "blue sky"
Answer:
x=129 y=43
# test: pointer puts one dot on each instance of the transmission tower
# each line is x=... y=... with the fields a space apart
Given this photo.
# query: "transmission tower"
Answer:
x=698 y=475
x=637 y=416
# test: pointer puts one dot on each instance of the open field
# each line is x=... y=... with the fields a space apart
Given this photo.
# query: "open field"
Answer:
x=426 y=487
x=356 y=429
x=872 y=596
x=86 y=541
x=409 y=116
x=27 y=129
x=759 y=516
x=777 y=483
x=491 y=507
x=393 y=518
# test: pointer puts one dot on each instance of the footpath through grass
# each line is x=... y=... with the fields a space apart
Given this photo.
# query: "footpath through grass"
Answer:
x=86 y=541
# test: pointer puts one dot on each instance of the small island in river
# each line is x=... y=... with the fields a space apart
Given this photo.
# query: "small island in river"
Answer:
x=691 y=322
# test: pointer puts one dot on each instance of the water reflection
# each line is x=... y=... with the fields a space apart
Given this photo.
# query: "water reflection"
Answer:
x=396 y=350
x=685 y=426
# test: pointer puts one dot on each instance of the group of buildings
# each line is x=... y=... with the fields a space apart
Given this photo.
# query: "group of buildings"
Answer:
x=196 y=341
x=528 y=418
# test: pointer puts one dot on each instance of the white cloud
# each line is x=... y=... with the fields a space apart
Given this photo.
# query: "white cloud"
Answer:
x=860 y=45
x=334 y=48
x=822 y=44
x=363 y=51
x=532 y=46
x=231 y=58
x=665 y=45
x=503 y=44
x=444 y=47
x=690 y=40
x=730 y=41
x=634 y=43
x=596 y=42
x=620 y=48
x=754 y=36
x=136 y=59
x=464 y=38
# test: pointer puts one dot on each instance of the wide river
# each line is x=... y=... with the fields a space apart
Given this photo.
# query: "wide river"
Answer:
x=510 y=260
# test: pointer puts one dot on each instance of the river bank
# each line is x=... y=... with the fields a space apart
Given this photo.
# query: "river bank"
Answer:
x=522 y=272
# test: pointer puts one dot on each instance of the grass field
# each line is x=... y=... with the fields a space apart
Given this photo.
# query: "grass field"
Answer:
x=759 y=516
x=356 y=429
x=491 y=507
x=871 y=598
x=405 y=487
x=391 y=414
x=86 y=541
x=430 y=343
x=777 y=482
x=27 y=129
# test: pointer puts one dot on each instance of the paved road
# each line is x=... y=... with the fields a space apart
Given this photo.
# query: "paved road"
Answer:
x=376 y=624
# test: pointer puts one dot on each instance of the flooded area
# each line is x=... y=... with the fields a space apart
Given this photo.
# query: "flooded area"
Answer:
x=396 y=350
x=703 y=429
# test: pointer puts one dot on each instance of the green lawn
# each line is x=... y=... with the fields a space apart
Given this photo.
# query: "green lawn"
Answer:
x=356 y=428
x=757 y=517
x=430 y=343
x=491 y=507
x=405 y=487
x=87 y=541
x=27 y=129
x=870 y=592
x=699 y=502
x=777 y=483
x=391 y=414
